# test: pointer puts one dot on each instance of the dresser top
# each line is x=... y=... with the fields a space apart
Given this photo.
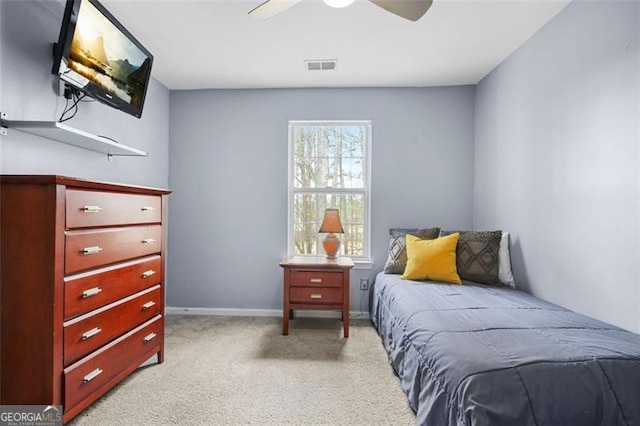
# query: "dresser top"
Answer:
x=74 y=182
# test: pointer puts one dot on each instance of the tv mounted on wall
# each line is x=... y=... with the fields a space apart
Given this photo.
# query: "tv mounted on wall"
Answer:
x=98 y=56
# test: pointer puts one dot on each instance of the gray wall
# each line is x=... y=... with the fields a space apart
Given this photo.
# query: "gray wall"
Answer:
x=228 y=171
x=29 y=92
x=557 y=141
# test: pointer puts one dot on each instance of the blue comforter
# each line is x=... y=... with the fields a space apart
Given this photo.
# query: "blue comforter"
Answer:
x=477 y=355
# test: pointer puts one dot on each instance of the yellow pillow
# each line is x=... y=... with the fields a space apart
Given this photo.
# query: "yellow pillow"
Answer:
x=432 y=259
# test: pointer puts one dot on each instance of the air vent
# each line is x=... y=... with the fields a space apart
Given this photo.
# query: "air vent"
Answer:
x=321 y=64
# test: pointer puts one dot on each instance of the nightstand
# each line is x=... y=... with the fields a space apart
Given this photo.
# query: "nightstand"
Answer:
x=316 y=283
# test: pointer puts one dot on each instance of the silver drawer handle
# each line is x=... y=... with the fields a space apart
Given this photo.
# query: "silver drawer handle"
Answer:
x=149 y=337
x=91 y=250
x=89 y=377
x=147 y=274
x=89 y=334
x=91 y=292
x=316 y=296
x=148 y=305
x=148 y=241
x=316 y=280
x=91 y=209
x=148 y=209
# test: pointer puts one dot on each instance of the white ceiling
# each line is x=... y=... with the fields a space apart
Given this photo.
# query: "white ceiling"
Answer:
x=215 y=44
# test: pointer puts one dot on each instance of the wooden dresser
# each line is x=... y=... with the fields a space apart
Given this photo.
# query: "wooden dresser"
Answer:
x=316 y=283
x=81 y=287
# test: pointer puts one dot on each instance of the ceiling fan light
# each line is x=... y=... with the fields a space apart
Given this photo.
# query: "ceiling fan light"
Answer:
x=338 y=3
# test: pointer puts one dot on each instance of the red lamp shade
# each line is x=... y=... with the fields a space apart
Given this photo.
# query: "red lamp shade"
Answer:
x=331 y=225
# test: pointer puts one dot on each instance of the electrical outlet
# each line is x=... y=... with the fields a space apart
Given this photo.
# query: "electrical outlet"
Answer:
x=364 y=284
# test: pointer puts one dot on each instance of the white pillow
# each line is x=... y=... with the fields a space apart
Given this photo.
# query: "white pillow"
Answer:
x=504 y=269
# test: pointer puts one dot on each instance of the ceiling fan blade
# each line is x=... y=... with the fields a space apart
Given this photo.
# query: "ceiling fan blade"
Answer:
x=271 y=7
x=408 y=9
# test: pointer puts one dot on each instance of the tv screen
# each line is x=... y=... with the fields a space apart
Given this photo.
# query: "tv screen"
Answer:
x=97 y=55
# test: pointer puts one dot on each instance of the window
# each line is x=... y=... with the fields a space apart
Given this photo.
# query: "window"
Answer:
x=329 y=168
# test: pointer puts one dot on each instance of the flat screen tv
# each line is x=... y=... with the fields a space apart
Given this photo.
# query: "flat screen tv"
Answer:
x=98 y=56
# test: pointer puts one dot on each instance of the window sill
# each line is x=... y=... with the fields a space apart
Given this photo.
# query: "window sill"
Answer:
x=363 y=264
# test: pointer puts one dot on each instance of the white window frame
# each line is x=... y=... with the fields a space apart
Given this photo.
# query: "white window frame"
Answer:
x=364 y=261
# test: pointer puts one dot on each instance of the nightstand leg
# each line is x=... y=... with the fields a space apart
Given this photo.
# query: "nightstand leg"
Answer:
x=346 y=304
x=345 y=323
x=285 y=324
x=286 y=312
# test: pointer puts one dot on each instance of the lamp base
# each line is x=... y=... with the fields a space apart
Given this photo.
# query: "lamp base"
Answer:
x=331 y=245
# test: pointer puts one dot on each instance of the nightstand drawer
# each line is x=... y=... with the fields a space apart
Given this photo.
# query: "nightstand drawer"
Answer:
x=316 y=278
x=316 y=295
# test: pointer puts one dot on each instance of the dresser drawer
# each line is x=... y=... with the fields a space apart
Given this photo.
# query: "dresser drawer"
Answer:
x=88 y=332
x=99 y=287
x=316 y=278
x=316 y=295
x=90 y=377
x=99 y=208
x=87 y=249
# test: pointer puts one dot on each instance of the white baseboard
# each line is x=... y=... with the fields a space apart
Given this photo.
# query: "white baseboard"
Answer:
x=171 y=310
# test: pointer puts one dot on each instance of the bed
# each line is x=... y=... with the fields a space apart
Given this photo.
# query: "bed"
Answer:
x=480 y=355
x=474 y=354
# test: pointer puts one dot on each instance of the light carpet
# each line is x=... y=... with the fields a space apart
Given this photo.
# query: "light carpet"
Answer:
x=242 y=370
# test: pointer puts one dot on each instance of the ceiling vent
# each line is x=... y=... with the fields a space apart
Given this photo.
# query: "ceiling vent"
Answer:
x=321 y=64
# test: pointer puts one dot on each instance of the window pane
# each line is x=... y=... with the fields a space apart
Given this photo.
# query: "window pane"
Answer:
x=305 y=222
x=323 y=173
x=353 y=240
x=305 y=238
x=329 y=144
x=329 y=156
x=353 y=209
x=353 y=138
x=352 y=172
x=305 y=154
x=308 y=213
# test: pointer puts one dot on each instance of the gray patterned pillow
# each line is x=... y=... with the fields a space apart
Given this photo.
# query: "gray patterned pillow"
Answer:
x=477 y=256
x=397 y=260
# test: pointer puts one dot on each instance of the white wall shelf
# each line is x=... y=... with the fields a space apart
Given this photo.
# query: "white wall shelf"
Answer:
x=72 y=136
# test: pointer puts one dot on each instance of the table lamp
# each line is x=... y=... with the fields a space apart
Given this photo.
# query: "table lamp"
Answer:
x=331 y=225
